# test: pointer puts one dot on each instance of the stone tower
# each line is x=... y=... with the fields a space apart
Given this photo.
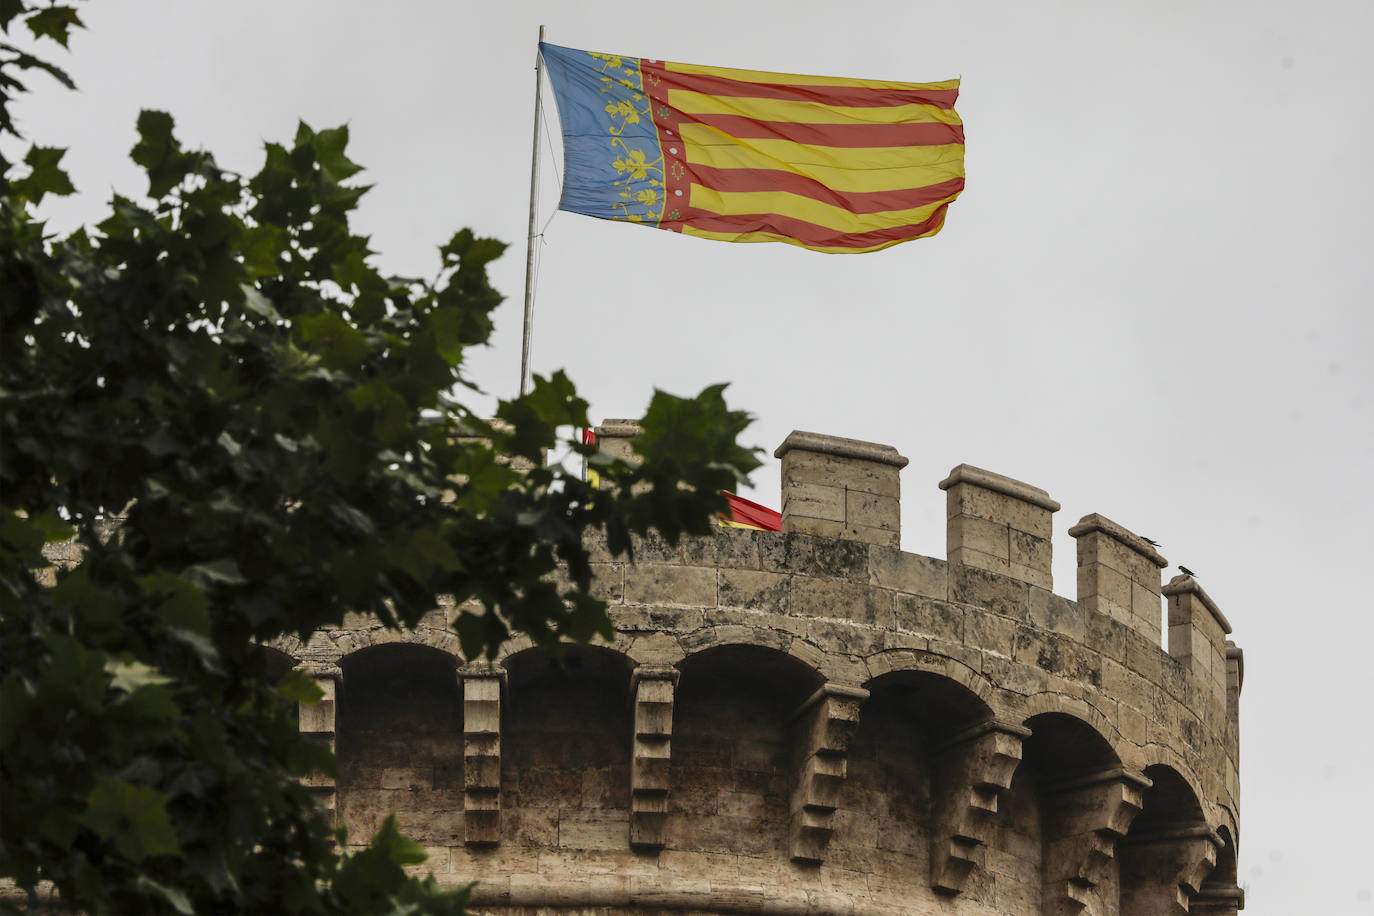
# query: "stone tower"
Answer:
x=813 y=721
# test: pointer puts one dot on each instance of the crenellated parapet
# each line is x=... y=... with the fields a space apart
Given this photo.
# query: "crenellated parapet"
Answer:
x=814 y=720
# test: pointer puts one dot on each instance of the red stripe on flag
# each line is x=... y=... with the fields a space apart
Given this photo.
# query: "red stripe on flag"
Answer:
x=849 y=136
x=809 y=233
x=747 y=512
x=844 y=96
x=853 y=201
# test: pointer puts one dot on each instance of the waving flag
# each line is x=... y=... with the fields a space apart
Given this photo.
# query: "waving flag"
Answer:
x=745 y=513
x=827 y=163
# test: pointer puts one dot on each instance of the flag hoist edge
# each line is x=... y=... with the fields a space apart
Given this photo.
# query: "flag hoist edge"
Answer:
x=827 y=163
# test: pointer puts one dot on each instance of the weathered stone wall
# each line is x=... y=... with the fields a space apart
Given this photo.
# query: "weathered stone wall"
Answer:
x=799 y=723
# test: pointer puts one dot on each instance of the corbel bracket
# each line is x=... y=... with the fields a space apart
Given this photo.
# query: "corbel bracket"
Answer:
x=483 y=686
x=972 y=770
x=653 y=688
x=823 y=726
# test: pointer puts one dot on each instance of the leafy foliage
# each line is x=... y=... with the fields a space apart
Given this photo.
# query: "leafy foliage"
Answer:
x=245 y=430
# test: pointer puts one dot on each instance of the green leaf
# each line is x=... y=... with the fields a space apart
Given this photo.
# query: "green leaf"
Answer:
x=392 y=416
x=133 y=817
x=216 y=572
x=53 y=527
x=299 y=687
x=262 y=246
x=159 y=153
x=53 y=22
x=178 y=900
x=396 y=846
x=8 y=10
x=46 y=175
x=184 y=606
x=150 y=703
x=340 y=344
x=130 y=676
x=329 y=147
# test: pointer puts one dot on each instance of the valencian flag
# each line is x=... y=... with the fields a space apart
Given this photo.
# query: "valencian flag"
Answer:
x=745 y=513
x=827 y=163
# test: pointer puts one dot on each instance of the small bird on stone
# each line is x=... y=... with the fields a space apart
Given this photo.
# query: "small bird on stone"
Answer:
x=1151 y=541
x=1187 y=572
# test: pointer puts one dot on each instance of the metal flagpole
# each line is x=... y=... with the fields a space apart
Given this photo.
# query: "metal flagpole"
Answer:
x=534 y=193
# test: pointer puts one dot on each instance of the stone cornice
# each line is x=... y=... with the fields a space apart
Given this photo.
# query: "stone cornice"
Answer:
x=1187 y=585
x=1094 y=522
x=840 y=446
x=967 y=473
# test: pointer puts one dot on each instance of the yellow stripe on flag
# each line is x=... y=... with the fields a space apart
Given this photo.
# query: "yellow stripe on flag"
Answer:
x=748 y=203
x=703 y=141
x=730 y=523
x=797 y=79
x=777 y=237
x=895 y=169
x=699 y=103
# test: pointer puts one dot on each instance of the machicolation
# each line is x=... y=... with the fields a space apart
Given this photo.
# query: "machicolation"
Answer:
x=814 y=721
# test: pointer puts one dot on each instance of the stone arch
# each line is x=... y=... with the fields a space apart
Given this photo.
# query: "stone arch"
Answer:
x=770 y=643
x=1220 y=893
x=1062 y=745
x=1070 y=800
x=438 y=638
x=1076 y=708
x=651 y=648
x=565 y=747
x=1169 y=850
x=288 y=645
x=531 y=662
x=517 y=643
x=730 y=775
x=1152 y=755
x=522 y=642
x=892 y=660
x=1228 y=820
x=275 y=660
x=899 y=769
x=400 y=741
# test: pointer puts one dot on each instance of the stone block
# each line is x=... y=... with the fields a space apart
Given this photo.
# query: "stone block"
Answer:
x=831 y=598
x=1197 y=628
x=930 y=617
x=1034 y=553
x=1000 y=507
x=1147 y=605
x=608 y=582
x=1014 y=676
x=872 y=511
x=816 y=527
x=979 y=535
x=814 y=500
x=976 y=559
x=986 y=589
x=1052 y=612
x=613 y=438
x=841 y=488
x=580 y=828
x=840 y=559
x=889 y=567
x=1118 y=574
x=842 y=471
x=989 y=632
x=670 y=585
x=532 y=827
x=731 y=548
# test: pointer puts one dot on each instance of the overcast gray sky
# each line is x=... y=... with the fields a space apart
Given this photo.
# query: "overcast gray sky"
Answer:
x=1153 y=299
